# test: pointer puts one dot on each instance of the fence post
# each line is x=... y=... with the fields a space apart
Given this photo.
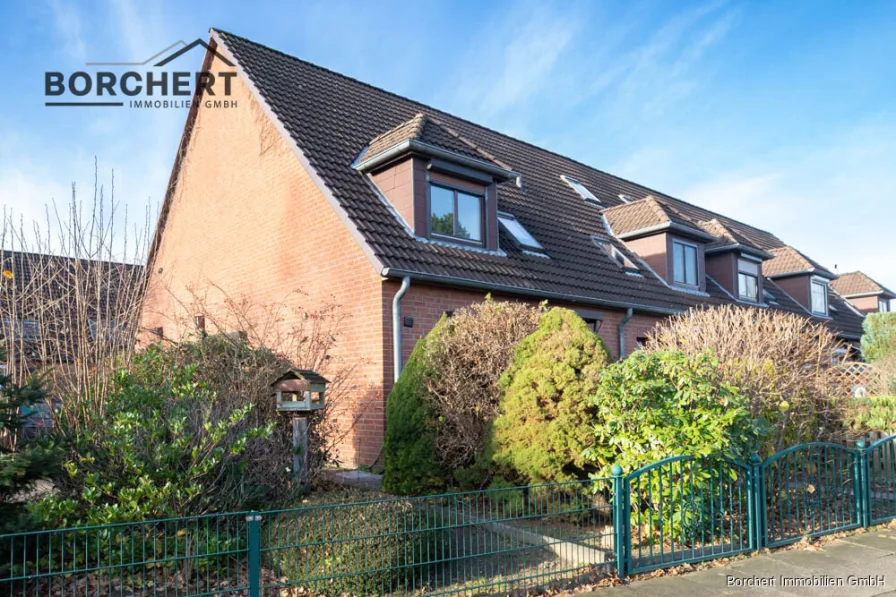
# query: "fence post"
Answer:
x=254 y=520
x=620 y=521
x=759 y=498
x=863 y=499
x=754 y=502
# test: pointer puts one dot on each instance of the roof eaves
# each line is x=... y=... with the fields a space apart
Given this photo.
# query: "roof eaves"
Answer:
x=748 y=249
x=812 y=270
x=673 y=226
x=519 y=291
x=415 y=146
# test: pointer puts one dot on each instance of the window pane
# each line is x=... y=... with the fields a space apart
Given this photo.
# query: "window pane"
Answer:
x=442 y=210
x=519 y=233
x=690 y=254
x=819 y=298
x=750 y=267
x=469 y=216
x=884 y=306
x=678 y=262
x=747 y=286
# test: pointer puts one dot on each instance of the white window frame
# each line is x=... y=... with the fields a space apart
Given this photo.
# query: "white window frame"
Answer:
x=883 y=305
x=580 y=188
x=696 y=248
x=757 y=275
x=819 y=282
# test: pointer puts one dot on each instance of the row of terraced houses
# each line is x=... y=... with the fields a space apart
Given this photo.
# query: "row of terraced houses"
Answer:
x=318 y=187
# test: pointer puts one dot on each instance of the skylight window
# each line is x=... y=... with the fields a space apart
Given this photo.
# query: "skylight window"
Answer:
x=769 y=297
x=579 y=188
x=519 y=233
x=616 y=255
x=625 y=198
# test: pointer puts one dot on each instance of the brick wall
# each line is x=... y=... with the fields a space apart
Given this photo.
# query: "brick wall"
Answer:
x=247 y=222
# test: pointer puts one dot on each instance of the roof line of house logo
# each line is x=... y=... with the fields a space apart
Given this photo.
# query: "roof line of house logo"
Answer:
x=186 y=48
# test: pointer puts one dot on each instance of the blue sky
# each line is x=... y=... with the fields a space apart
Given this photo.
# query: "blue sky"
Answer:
x=780 y=114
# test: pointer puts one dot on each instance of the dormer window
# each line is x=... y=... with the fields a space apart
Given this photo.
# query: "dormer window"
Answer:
x=819 y=296
x=579 y=188
x=519 y=233
x=684 y=263
x=455 y=214
x=748 y=279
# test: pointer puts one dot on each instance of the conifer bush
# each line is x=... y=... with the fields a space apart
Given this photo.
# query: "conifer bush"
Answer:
x=546 y=416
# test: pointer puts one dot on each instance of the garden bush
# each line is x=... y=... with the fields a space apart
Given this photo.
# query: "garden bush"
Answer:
x=365 y=549
x=879 y=336
x=655 y=405
x=658 y=404
x=546 y=414
x=409 y=448
x=166 y=447
x=465 y=357
x=779 y=360
x=877 y=413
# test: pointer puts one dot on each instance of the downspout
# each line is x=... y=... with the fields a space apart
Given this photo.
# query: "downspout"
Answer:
x=396 y=327
x=622 y=322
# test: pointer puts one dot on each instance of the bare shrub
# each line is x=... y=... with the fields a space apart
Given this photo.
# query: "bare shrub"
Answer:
x=883 y=376
x=70 y=297
x=245 y=346
x=464 y=363
x=781 y=360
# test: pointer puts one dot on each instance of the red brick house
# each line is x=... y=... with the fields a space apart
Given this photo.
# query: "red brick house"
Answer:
x=402 y=212
x=863 y=293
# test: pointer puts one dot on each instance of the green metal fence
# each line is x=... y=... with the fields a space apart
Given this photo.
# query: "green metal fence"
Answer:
x=679 y=510
x=484 y=542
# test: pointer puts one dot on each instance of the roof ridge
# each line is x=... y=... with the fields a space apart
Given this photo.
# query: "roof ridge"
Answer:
x=418 y=127
x=651 y=191
x=468 y=143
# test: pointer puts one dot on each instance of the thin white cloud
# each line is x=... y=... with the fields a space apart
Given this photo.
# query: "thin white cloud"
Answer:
x=834 y=200
x=67 y=22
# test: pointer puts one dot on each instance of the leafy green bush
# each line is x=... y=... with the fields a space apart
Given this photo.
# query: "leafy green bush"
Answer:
x=546 y=414
x=363 y=549
x=165 y=448
x=409 y=448
x=654 y=405
x=876 y=413
x=879 y=336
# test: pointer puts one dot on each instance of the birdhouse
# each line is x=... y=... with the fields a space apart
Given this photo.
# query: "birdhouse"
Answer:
x=300 y=391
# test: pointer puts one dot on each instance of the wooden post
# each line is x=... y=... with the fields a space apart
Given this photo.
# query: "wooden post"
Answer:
x=300 y=449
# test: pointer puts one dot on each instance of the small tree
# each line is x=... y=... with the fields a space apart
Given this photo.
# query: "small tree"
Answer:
x=464 y=359
x=879 y=336
x=546 y=414
x=21 y=463
x=780 y=360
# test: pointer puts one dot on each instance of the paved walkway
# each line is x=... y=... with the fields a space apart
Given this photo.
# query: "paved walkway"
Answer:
x=862 y=565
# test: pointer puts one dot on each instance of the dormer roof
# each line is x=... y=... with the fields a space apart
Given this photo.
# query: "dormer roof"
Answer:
x=858 y=284
x=790 y=262
x=730 y=239
x=426 y=135
x=650 y=216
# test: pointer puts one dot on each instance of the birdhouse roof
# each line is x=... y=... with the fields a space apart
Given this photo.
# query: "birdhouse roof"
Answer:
x=303 y=374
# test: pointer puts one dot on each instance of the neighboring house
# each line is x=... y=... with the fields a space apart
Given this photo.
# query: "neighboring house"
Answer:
x=54 y=308
x=401 y=212
x=863 y=293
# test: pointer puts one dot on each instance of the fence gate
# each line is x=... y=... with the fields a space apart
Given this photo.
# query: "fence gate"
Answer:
x=809 y=490
x=684 y=509
x=880 y=468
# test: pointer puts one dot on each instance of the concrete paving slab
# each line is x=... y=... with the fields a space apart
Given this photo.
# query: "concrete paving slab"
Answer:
x=884 y=541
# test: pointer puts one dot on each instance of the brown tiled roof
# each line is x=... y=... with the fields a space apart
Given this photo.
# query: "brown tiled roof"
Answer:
x=331 y=118
x=646 y=214
x=858 y=283
x=427 y=130
x=788 y=261
x=727 y=236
